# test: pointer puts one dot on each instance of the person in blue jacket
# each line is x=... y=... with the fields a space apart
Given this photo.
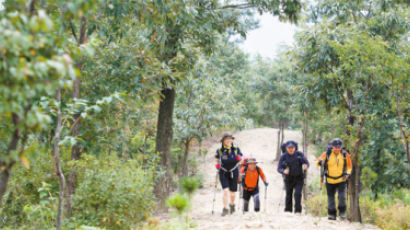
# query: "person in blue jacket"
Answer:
x=228 y=160
x=293 y=165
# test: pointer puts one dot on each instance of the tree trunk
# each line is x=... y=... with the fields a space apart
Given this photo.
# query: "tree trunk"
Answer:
x=164 y=141
x=354 y=181
x=5 y=167
x=185 y=160
x=57 y=163
x=282 y=133
x=278 y=149
x=75 y=149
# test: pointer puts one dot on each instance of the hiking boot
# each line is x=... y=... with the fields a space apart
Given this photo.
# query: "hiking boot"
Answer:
x=331 y=217
x=343 y=215
x=232 y=208
x=225 y=212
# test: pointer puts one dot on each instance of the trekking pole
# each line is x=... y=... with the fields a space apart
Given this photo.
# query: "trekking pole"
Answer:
x=216 y=185
x=266 y=189
x=322 y=172
x=240 y=197
x=304 y=189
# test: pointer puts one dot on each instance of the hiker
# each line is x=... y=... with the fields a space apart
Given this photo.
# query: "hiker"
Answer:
x=250 y=183
x=293 y=165
x=337 y=169
x=228 y=159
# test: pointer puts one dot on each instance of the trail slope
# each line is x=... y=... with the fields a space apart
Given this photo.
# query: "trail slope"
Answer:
x=260 y=143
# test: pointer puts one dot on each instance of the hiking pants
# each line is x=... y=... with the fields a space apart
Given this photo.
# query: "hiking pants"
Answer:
x=331 y=191
x=229 y=180
x=293 y=184
x=247 y=196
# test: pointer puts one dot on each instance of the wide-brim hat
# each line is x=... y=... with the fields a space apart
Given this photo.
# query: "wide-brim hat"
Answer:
x=252 y=161
x=227 y=135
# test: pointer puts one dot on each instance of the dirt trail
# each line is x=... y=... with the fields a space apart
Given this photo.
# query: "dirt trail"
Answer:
x=260 y=143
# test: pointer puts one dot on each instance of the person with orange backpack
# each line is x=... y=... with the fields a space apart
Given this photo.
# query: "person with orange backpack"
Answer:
x=250 y=183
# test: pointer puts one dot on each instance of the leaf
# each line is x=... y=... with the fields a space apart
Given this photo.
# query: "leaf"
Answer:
x=25 y=161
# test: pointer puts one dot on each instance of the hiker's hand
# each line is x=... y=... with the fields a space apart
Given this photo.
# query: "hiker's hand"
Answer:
x=238 y=158
x=266 y=183
x=320 y=162
x=305 y=167
x=347 y=176
x=286 y=171
x=217 y=166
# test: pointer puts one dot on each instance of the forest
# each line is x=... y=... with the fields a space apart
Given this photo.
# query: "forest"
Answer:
x=105 y=104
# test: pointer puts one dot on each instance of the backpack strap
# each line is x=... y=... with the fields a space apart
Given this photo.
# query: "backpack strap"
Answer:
x=220 y=160
x=344 y=152
x=244 y=176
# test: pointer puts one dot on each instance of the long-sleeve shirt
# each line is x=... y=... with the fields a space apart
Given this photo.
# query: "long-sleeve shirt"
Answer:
x=335 y=165
x=251 y=177
x=294 y=162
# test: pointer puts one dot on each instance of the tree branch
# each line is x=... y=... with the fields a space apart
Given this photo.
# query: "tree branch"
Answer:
x=32 y=7
x=73 y=31
x=239 y=6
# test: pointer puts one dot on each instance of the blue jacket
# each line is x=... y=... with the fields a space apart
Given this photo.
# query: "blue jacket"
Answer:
x=294 y=162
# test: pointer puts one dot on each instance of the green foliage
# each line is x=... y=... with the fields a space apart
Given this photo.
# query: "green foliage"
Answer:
x=123 y=191
x=368 y=177
x=112 y=193
x=179 y=202
x=189 y=185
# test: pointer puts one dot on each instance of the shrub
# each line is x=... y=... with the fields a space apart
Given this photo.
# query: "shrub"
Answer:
x=189 y=185
x=368 y=209
x=178 y=202
x=112 y=193
x=316 y=204
x=394 y=218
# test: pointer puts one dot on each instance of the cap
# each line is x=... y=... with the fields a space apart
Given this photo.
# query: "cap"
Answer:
x=337 y=142
x=227 y=135
x=291 y=144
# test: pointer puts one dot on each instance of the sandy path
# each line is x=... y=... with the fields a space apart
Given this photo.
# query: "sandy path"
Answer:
x=260 y=143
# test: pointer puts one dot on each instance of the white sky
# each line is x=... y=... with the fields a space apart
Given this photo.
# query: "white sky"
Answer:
x=270 y=35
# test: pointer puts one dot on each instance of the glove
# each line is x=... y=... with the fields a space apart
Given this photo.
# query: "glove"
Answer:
x=266 y=183
x=217 y=166
x=238 y=158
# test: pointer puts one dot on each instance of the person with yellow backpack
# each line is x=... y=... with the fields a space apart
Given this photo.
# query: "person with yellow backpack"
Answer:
x=337 y=168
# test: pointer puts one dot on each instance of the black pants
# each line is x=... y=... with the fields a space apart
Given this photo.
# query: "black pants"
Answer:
x=247 y=196
x=331 y=191
x=293 y=184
